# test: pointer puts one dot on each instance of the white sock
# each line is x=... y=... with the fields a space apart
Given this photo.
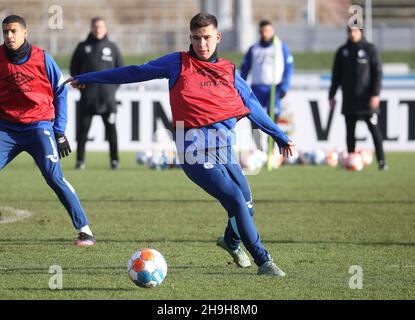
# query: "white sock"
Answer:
x=86 y=230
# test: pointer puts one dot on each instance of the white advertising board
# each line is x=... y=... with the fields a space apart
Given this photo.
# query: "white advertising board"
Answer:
x=144 y=113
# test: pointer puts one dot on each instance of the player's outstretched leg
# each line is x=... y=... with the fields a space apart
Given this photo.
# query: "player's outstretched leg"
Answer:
x=235 y=172
x=231 y=241
x=44 y=151
x=216 y=180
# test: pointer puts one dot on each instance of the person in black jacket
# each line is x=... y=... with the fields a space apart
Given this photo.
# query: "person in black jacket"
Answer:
x=357 y=69
x=97 y=53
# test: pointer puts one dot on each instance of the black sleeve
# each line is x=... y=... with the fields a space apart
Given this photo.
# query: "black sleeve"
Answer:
x=375 y=72
x=335 y=75
x=76 y=60
x=119 y=61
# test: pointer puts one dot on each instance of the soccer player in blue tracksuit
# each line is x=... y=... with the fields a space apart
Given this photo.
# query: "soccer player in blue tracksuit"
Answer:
x=33 y=116
x=207 y=94
x=267 y=63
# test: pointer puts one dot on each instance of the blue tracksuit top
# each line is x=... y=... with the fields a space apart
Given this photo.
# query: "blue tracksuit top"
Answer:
x=288 y=64
x=169 y=67
x=60 y=93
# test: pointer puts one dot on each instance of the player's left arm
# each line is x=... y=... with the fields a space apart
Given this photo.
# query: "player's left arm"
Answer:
x=60 y=94
x=119 y=61
x=260 y=118
x=285 y=84
x=375 y=77
x=246 y=64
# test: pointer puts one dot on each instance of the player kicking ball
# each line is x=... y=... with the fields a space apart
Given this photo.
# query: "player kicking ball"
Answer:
x=33 y=116
x=208 y=95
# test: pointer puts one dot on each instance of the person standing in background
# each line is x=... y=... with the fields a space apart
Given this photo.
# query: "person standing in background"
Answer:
x=271 y=65
x=268 y=63
x=97 y=53
x=357 y=69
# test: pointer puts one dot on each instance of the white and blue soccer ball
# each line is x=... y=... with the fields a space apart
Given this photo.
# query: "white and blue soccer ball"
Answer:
x=147 y=268
x=158 y=161
x=306 y=157
x=143 y=156
x=318 y=157
x=294 y=159
x=253 y=161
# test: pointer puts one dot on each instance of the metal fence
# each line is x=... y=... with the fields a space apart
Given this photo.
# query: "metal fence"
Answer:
x=328 y=38
x=146 y=39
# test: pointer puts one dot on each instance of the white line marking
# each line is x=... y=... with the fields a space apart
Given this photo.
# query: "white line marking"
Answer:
x=13 y=214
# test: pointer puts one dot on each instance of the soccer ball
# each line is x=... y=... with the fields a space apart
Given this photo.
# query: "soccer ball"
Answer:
x=354 y=162
x=306 y=157
x=318 y=157
x=158 y=161
x=143 y=156
x=294 y=159
x=254 y=160
x=277 y=159
x=367 y=156
x=343 y=156
x=147 y=268
x=332 y=158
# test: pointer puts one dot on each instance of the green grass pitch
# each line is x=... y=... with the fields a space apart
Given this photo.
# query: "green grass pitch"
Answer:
x=315 y=221
x=302 y=60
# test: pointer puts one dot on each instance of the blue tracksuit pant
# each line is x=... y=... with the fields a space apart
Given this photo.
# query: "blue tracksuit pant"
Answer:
x=227 y=183
x=41 y=145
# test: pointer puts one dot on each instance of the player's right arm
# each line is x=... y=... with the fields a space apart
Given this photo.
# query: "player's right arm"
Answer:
x=335 y=78
x=164 y=67
x=76 y=61
x=288 y=71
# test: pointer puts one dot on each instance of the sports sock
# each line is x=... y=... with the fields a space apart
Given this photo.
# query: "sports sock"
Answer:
x=86 y=230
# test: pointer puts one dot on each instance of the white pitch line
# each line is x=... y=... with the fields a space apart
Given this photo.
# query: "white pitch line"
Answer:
x=17 y=215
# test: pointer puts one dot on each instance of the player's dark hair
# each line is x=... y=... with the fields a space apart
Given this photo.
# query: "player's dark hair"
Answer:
x=203 y=20
x=264 y=23
x=95 y=20
x=14 y=19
